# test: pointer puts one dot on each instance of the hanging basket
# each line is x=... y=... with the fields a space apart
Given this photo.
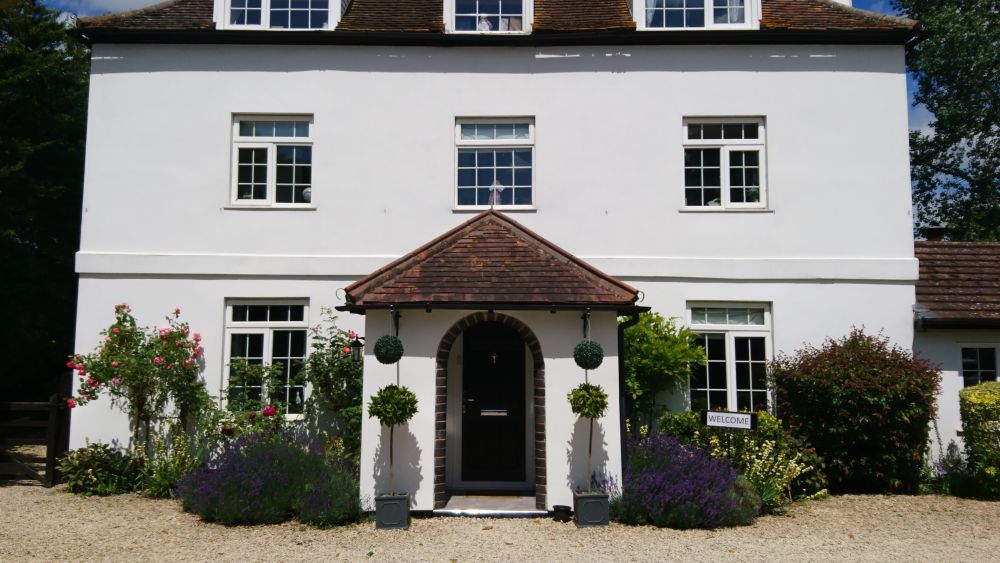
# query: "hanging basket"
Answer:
x=388 y=349
x=588 y=354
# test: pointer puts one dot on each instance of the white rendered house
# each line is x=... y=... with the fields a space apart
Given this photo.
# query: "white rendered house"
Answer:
x=739 y=164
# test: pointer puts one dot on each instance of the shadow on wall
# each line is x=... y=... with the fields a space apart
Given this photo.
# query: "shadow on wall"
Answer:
x=576 y=454
x=406 y=463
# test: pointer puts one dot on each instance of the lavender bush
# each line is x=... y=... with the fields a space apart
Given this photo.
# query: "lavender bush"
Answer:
x=269 y=476
x=668 y=484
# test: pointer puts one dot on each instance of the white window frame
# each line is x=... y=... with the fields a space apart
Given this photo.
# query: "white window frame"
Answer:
x=528 y=15
x=731 y=332
x=726 y=146
x=265 y=328
x=978 y=345
x=752 y=11
x=496 y=144
x=222 y=20
x=271 y=144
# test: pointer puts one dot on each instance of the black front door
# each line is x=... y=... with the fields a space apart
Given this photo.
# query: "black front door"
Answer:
x=493 y=411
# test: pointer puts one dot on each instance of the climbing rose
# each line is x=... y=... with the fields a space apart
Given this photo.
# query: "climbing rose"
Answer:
x=117 y=381
x=157 y=360
x=115 y=364
x=187 y=362
x=347 y=349
x=116 y=330
x=351 y=334
x=70 y=403
x=269 y=410
x=197 y=337
x=91 y=382
x=70 y=364
x=164 y=331
x=177 y=311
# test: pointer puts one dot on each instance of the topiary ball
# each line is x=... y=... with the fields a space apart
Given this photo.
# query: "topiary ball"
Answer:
x=588 y=401
x=388 y=349
x=588 y=354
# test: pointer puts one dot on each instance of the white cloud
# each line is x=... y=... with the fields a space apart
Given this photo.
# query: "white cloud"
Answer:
x=96 y=7
x=920 y=119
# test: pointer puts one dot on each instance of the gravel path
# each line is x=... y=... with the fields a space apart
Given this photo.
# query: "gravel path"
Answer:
x=50 y=524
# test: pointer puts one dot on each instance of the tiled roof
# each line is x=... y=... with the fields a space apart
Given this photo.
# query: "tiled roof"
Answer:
x=169 y=15
x=581 y=15
x=825 y=14
x=490 y=259
x=550 y=16
x=958 y=280
x=393 y=15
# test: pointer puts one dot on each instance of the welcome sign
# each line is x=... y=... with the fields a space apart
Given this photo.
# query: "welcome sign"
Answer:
x=738 y=420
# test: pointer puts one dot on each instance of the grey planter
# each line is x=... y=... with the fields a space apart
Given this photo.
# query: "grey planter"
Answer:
x=392 y=512
x=590 y=509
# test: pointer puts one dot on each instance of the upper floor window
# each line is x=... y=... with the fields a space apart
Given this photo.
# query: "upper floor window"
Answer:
x=736 y=339
x=484 y=16
x=724 y=163
x=495 y=160
x=272 y=161
x=695 y=14
x=979 y=365
x=280 y=14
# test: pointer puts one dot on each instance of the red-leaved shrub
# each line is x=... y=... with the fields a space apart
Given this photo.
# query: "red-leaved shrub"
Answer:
x=865 y=405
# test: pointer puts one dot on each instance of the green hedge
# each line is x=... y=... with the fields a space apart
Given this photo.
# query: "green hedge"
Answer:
x=980 y=407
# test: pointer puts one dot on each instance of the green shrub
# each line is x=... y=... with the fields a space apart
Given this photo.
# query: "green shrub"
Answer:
x=330 y=495
x=100 y=469
x=776 y=465
x=980 y=408
x=865 y=405
x=169 y=461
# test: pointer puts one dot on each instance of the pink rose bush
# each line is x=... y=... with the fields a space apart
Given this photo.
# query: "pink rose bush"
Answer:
x=142 y=370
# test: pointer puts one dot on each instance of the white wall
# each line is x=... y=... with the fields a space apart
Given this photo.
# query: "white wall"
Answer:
x=608 y=152
x=944 y=348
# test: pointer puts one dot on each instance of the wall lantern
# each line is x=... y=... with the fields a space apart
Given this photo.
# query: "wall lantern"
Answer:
x=358 y=349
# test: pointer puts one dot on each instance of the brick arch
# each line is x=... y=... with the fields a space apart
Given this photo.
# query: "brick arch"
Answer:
x=441 y=402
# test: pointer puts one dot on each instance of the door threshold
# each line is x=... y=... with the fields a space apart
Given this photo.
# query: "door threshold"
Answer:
x=491 y=505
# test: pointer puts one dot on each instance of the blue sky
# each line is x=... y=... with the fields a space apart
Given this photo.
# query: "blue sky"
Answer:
x=919 y=116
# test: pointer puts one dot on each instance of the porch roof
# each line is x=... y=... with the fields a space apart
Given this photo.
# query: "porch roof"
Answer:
x=490 y=261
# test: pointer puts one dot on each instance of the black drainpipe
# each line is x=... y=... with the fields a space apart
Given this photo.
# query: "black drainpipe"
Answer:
x=633 y=319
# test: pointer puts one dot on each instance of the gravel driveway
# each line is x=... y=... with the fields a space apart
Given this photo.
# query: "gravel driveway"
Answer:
x=50 y=524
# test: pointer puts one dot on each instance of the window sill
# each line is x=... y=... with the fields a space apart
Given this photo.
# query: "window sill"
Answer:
x=266 y=208
x=504 y=208
x=722 y=210
x=522 y=32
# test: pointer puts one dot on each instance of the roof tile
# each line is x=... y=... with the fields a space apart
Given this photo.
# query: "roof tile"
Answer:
x=550 y=16
x=959 y=280
x=490 y=259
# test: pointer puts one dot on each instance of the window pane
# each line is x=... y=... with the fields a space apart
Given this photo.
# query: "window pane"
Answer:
x=717 y=375
x=732 y=131
x=755 y=317
x=987 y=359
x=717 y=400
x=743 y=401
x=257 y=313
x=715 y=346
x=712 y=131
x=522 y=196
x=699 y=377
x=699 y=315
x=717 y=316
x=699 y=401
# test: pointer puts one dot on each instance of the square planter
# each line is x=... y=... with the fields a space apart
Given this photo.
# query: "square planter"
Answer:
x=392 y=512
x=590 y=509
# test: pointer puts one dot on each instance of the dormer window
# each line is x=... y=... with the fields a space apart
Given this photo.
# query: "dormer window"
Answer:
x=696 y=14
x=490 y=16
x=279 y=14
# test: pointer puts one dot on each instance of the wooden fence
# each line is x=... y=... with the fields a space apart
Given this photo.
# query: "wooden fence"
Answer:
x=42 y=423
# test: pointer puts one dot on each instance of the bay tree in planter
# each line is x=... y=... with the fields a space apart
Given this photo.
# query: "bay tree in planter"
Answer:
x=590 y=507
x=392 y=405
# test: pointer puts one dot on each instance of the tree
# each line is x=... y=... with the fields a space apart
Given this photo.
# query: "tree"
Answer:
x=956 y=169
x=43 y=106
x=658 y=356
